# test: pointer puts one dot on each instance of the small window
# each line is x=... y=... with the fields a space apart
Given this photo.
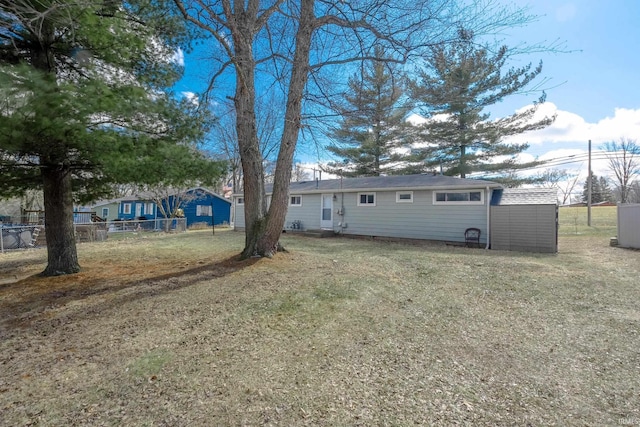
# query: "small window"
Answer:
x=105 y=212
x=203 y=210
x=458 y=197
x=240 y=201
x=295 y=201
x=126 y=208
x=366 y=199
x=404 y=196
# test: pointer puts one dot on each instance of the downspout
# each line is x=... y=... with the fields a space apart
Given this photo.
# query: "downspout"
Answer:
x=488 y=217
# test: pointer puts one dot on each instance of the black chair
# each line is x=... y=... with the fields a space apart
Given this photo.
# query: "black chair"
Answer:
x=472 y=235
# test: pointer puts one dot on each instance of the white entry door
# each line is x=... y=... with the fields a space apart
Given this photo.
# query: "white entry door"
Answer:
x=326 y=215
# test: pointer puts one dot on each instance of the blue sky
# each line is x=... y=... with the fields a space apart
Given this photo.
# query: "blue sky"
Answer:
x=593 y=87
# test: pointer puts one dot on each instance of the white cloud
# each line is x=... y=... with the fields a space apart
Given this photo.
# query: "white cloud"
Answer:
x=178 y=57
x=191 y=96
x=570 y=128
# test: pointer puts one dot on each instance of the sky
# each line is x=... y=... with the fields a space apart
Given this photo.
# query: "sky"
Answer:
x=592 y=86
x=592 y=82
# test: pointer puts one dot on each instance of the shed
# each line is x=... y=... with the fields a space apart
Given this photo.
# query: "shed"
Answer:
x=524 y=219
x=629 y=225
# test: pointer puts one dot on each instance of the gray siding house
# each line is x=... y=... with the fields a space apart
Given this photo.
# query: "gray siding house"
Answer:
x=430 y=207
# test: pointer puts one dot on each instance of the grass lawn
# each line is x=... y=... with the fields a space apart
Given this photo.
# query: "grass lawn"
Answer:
x=174 y=331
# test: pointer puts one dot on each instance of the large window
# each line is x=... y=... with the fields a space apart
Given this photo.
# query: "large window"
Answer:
x=404 y=196
x=295 y=201
x=203 y=210
x=148 y=208
x=458 y=197
x=366 y=199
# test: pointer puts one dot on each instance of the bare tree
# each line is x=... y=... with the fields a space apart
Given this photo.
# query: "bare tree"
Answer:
x=551 y=178
x=624 y=162
x=225 y=136
x=288 y=43
x=566 y=189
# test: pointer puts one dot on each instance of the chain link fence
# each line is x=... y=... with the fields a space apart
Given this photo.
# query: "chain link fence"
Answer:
x=29 y=236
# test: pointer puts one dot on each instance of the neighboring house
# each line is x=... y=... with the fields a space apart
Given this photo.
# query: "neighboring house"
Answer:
x=107 y=210
x=126 y=208
x=430 y=207
x=202 y=206
x=206 y=207
x=525 y=219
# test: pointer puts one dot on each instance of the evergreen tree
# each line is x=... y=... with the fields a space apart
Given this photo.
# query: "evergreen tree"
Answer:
x=86 y=105
x=600 y=190
x=372 y=125
x=461 y=80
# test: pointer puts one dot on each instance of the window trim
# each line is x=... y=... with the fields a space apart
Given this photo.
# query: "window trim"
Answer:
x=296 y=205
x=399 y=200
x=368 y=193
x=461 y=202
x=206 y=208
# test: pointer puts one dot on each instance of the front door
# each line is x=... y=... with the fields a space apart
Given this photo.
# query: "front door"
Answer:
x=326 y=218
x=138 y=210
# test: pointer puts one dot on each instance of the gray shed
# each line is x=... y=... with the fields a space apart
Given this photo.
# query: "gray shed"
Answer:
x=524 y=219
x=629 y=225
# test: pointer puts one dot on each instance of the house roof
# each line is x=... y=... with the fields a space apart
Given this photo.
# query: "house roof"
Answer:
x=528 y=196
x=148 y=196
x=381 y=183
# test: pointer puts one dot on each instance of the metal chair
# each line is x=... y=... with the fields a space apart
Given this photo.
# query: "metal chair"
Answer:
x=472 y=235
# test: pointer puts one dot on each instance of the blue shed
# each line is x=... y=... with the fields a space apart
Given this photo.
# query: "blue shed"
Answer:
x=205 y=206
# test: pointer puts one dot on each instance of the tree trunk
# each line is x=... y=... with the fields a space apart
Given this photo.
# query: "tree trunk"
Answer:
x=246 y=128
x=268 y=241
x=58 y=220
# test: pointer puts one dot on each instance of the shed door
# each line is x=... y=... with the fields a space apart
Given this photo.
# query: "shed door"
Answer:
x=326 y=218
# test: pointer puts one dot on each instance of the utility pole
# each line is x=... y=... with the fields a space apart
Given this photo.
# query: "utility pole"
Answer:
x=589 y=189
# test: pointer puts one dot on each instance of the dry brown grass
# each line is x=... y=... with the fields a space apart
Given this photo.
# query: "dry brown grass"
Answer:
x=175 y=331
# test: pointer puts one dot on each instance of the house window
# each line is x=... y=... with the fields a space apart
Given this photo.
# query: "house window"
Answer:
x=148 y=209
x=126 y=208
x=240 y=201
x=203 y=210
x=366 y=199
x=295 y=201
x=105 y=212
x=404 y=196
x=458 y=197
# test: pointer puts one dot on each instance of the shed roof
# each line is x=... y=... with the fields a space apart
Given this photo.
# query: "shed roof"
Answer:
x=418 y=181
x=528 y=196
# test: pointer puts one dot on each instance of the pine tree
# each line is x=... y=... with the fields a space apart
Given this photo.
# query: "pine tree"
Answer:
x=461 y=80
x=86 y=105
x=600 y=190
x=372 y=124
